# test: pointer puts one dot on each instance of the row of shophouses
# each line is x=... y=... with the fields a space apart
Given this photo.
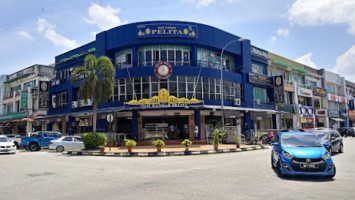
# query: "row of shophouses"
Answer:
x=168 y=81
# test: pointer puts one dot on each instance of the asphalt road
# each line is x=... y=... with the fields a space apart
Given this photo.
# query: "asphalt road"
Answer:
x=245 y=175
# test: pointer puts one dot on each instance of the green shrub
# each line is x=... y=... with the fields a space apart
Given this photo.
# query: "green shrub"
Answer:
x=130 y=143
x=236 y=137
x=186 y=143
x=158 y=143
x=216 y=136
x=94 y=140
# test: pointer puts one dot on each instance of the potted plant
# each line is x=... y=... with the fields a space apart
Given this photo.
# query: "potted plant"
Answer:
x=237 y=139
x=158 y=143
x=187 y=143
x=129 y=144
x=222 y=137
x=112 y=142
x=216 y=139
x=102 y=148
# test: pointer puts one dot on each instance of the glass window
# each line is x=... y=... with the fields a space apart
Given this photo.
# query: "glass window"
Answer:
x=260 y=95
x=256 y=68
x=123 y=58
x=76 y=139
x=68 y=139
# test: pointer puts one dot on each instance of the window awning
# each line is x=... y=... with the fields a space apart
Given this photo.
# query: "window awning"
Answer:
x=337 y=119
x=245 y=109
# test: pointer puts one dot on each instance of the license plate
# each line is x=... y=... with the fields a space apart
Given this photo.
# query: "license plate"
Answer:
x=305 y=165
x=4 y=150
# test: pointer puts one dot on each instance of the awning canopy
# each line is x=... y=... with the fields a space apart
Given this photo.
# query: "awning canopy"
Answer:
x=245 y=109
x=337 y=119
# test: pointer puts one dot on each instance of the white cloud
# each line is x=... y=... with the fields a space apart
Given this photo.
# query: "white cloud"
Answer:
x=306 y=59
x=283 y=32
x=48 y=31
x=103 y=17
x=311 y=13
x=273 y=39
x=202 y=3
x=25 y=35
x=345 y=64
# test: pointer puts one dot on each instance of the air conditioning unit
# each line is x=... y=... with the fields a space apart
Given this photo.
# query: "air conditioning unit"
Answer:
x=53 y=105
x=258 y=102
x=237 y=102
x=89 y=102
x=74 y=104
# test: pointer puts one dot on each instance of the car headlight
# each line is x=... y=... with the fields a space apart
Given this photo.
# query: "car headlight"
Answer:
x=287 y=155
x=13 y=145
x=326 y=155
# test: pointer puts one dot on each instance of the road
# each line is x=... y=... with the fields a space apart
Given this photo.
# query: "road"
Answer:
x=245 y=175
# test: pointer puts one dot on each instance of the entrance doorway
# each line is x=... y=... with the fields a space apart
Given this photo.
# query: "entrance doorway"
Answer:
x=171 y=128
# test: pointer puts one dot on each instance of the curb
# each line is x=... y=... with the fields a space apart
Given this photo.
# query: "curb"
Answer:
x=160 y=154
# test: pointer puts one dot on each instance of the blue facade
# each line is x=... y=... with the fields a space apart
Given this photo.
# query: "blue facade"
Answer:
x=193 y=36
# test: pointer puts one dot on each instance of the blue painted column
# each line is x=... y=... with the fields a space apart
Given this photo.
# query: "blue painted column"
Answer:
x=274 y=121
x=49 y=127
x=101 y=125
x=250 y=123
x=197 y=115
x=134 y=56
x=194 y=55
x=135 y=125
x=346 y=122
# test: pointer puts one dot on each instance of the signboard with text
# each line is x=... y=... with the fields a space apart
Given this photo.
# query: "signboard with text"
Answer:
x=351 y=114
x=279 y=90
x=306 y=111
x=334 y=113
x=260 y=79
x=167 y=30
x=24 y=99
x=43 y=94
x=304 y=92
x=317 y=91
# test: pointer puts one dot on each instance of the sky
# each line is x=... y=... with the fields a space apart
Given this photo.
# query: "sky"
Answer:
x=317 y=33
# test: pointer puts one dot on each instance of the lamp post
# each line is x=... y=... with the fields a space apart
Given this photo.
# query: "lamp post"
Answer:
x=221 y=85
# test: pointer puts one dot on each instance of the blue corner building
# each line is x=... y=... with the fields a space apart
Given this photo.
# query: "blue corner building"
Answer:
x=168 y=82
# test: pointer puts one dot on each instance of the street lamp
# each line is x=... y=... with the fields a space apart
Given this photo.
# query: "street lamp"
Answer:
x=221 y=84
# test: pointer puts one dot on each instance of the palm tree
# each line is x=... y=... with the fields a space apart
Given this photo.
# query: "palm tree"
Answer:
x=98 y=88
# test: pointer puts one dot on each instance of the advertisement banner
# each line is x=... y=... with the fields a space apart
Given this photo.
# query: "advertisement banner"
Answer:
x=167 y=30
x=288 y=108
x=321 y=119
x=321 y=112
x=342 y=99
x=306 y=111
x=259 y=79
x=332 y=97
x=279 y=90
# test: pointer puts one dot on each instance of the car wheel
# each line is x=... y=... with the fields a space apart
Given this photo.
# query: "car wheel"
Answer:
x=33 y=147
x=279 y=169
x=17 y=146
x=59 y=149
x=272 y=162
x=341 y=150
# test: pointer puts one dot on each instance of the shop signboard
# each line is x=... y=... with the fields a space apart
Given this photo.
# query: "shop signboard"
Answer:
x=12 y=116
x=351 y=114
x=321 y=119
x=288 y=108
x=342 y=99
x=260 y=79
x=24 y=98
x=332 y=97
x=317 y=91
x=43 y=94
x=316 y=103
x=167 y=30
x=334 y=113
x=279 y=90
x=321 y=112
x=307 y=120
x=306 y=111
x=304 y=92
x=163 y=100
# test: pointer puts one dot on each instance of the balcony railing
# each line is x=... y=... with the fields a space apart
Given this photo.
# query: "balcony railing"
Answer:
x=263 y=104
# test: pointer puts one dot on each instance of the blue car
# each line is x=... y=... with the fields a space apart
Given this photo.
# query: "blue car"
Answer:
x=301 y=153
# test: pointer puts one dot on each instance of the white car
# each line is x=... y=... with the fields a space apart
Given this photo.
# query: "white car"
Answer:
x=16 y=139
x=6 y=146
x=66 y=143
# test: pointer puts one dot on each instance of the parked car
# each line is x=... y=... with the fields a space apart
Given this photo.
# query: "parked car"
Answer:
x=301 y=153
x=347 y=131
x=16 y=139
x=332 y=137
x=66 y=143
x=6 y=146
x=39 y=140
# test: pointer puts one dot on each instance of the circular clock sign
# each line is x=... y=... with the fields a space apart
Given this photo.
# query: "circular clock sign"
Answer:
x=44 y=86
x=163 y=70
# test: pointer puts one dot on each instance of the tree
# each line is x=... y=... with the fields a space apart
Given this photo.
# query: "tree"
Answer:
x=99 y=82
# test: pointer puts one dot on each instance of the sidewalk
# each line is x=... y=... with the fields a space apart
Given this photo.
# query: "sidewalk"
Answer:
x=167 y=150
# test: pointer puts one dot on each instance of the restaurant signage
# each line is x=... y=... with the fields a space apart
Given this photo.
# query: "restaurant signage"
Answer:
x=260 y=79
x=321 y=119
x=163 y=100
x=279 y=90
x=12 y=116
x=317 y=91
x=342 y=99
x=306 y=111
x=166 y=30
x=288 y=108
x=307 y=120
x=333 y=113
x=24 y=98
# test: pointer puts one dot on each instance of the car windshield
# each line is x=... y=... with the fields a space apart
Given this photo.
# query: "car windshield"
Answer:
x=2 y=139
x=300 y=141
x=323 y=135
